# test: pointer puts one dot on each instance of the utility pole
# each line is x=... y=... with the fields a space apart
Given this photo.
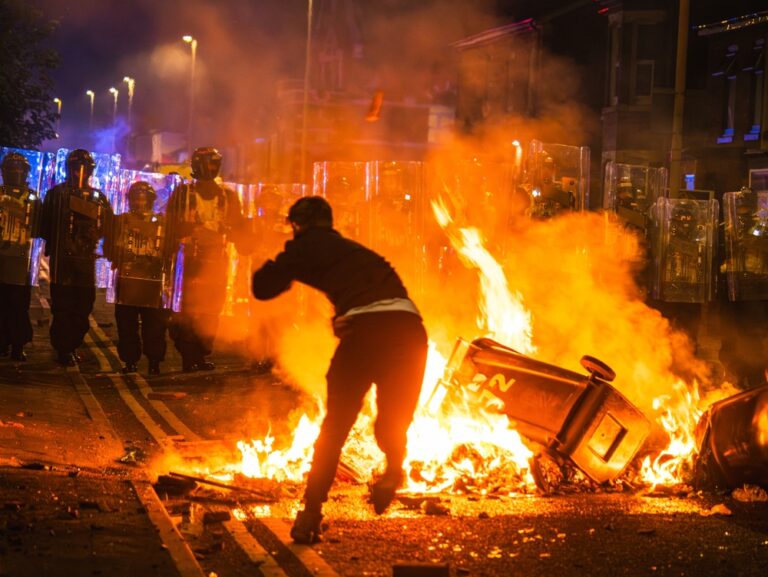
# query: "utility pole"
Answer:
x=681 y=64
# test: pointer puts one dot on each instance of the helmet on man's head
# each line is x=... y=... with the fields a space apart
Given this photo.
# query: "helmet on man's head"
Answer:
x=15 y=169
x=80 y=166
x=206 y=163
x=141 y=197
x=311 y=212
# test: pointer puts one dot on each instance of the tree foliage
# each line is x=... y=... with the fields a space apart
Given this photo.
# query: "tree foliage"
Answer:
x=27 y=112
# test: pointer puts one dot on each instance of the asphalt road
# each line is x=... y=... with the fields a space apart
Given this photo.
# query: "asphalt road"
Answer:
x=79 y=447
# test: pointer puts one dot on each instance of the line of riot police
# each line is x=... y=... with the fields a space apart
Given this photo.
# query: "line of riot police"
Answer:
x=702 y=252
x=169 y=271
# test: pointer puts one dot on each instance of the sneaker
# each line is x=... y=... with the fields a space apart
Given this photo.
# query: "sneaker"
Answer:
x=130 y=368
x=306 y=528
x=384 y=490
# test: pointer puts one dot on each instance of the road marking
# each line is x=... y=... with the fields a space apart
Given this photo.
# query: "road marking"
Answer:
x=304 y=553
x=94 y=409
x=267 y=565
x=180 y=552
x=144 y=388
x=251 y=547
x=144 y=418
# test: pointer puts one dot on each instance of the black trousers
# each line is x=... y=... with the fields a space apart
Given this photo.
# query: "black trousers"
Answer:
x=386 y=348
x=70 y=308
x=15 y=326
x=140 y=330
x=193 y=336
x=744 y=341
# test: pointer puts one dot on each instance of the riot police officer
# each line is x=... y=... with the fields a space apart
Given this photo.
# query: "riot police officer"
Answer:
x=137 y=252
x=75 y=217
x=19 y=213
x=203 y=218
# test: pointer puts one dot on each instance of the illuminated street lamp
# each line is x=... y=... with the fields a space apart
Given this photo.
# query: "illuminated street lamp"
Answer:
x=57 y=101
x=131 y=83
x=115 y=92
x=305 y=103
x=193 y=46
x=91 y=96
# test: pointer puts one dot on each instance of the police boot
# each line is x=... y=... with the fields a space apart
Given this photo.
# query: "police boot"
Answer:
x=188 y=365
x=154 y=368
x=204 y=365
x=17 y=353
x=306 y=528
x=67 y=359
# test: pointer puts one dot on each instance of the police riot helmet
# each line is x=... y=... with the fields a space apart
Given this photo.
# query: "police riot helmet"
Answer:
x=15 y=169
x=141 y=196
x=206 y=163
x=311 y=212
x=80 y=165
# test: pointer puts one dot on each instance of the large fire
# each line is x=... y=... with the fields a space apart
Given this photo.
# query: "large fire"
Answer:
x=457 y=445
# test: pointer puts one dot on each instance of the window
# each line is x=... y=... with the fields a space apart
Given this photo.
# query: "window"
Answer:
x=727 y=70
x=757 y=80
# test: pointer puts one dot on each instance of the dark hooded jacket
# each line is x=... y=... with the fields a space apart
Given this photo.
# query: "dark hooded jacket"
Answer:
x=348 y=273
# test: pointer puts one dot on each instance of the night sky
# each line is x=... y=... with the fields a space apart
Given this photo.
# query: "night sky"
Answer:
x=246 y=46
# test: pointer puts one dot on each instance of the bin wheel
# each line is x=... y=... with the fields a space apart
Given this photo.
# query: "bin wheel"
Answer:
x=597 y=367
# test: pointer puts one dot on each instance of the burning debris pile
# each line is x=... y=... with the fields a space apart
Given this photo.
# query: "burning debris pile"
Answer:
x=503 y=416
x=566 y=417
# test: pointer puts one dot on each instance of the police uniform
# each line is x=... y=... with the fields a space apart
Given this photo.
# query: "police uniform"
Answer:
x=75 y=216
x=19 y=212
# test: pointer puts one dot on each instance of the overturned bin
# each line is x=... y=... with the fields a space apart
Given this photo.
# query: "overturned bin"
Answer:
x=581 y=418
x=732 y=436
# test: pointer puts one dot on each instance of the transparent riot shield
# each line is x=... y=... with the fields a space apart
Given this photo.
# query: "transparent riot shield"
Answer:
x=19 y=251
x=37 y=161
x=141 y=269
x=746 y=244
x=343 y=184
x=630 y=190
x=557 y=179
x=683 y=246
x=81 y=220
x=397 y=197
x=198 y=225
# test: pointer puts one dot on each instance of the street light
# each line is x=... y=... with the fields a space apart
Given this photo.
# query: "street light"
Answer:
x=57 y=101
x=115 y=92
x=131 y=83
x=91 y=95
x=193 y=46
x=305 y=103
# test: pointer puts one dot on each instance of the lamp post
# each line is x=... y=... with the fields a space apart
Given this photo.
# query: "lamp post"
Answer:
x=193 y=47
x=57 y=101
x=131 y=83
x=115 y=92
x=305 y=103
x=91 y=96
